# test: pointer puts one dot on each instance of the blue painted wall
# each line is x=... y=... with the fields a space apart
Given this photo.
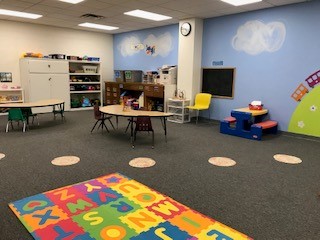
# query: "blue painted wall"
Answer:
x=270 y=76
x=164 y=39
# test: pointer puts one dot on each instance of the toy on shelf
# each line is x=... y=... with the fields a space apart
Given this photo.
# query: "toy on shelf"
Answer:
x=31 y=54
x=86 y=102
x=179 y=94
x=4 y=86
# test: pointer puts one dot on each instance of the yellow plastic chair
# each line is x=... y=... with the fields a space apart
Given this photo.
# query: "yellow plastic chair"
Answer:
x=202 y=102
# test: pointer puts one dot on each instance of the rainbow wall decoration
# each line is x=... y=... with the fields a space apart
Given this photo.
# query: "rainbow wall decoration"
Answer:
x=114 y=207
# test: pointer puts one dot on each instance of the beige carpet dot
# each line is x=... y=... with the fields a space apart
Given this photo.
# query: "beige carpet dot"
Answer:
x=142 y=162
x=2 y=155
x=287 y=159
x=222 y=161
x=65 y=160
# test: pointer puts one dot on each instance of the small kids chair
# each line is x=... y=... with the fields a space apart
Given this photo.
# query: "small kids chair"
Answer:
x=202 y=102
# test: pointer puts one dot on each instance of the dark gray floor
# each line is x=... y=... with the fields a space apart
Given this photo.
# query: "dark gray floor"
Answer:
x=260 y=197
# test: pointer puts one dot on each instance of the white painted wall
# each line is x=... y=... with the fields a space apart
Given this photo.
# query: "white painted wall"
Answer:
x=17 y=38
x=189 y=59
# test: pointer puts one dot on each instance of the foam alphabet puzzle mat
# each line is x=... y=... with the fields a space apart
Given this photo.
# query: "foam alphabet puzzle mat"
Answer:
x=115 y=207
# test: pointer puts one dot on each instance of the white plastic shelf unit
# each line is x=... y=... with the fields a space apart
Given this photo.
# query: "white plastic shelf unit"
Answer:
x=11 y=95
x=85 y=84
x=179 y=109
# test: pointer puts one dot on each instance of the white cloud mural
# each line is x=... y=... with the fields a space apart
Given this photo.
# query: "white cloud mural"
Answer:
x=125 y=46
x=153 y=46
x=163 y=44
x=255 y=37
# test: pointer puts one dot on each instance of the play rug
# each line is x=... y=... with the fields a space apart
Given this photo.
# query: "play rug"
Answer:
x=114 y=207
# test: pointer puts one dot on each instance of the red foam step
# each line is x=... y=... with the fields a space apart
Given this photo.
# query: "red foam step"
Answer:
x=267 y=124
x=230 y=119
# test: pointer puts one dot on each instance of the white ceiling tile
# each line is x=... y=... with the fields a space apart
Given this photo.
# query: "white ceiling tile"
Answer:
x=95 y=4
x=256 y=6
x=63 y=14
x=16 y=3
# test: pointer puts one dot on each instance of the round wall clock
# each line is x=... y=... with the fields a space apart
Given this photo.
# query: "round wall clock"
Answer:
x=185 y=28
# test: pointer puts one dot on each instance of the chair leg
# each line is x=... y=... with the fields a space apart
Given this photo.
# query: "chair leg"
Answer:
x=104 y=125
x=7 y=128
x=152 y=139
x=197 y=116
x=24 y=126
x=94 y=126
x=127 y=126
x=111 y=124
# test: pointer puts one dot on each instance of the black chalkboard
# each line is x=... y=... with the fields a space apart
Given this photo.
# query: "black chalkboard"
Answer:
x=218 y=81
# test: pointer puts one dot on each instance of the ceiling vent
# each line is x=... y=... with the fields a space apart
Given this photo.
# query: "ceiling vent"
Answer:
x=92 y=16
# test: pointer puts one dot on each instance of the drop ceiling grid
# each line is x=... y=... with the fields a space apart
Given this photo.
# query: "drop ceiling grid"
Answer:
x=63 y=14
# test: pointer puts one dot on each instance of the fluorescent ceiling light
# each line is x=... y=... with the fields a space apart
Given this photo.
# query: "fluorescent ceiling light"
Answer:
x=71 y=1
x=240 y=2
x=97 y=26
x=19 y=14
x=147 y=15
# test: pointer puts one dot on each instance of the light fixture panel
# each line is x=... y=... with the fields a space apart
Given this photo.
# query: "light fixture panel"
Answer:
x=147 y=15
x=19 y=14
x=72 y=1
x=240 y=2
x=97 y=26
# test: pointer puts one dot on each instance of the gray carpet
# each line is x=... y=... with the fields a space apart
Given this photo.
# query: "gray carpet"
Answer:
x=260 y=197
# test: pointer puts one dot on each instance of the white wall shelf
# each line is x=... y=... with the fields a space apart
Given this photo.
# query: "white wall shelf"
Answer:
x=71 y=83
x=84 y=91
x=11 y=96
x=84 y=74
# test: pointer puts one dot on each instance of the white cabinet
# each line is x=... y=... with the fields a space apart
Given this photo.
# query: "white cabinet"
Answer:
x=179 y=109
x=45 y=79
x=84 y=84
x=48 y=66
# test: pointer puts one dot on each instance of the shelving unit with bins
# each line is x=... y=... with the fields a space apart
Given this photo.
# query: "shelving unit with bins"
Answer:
x=152 y=96
x=11 y=95
x=179 y=109
x=85 y=84
x=112 y=93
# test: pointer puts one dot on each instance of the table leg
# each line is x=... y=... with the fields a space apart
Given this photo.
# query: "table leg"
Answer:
x=131 y=136
x=165 y=128
x=117 y=121
x=62 y=110
x=59 y=110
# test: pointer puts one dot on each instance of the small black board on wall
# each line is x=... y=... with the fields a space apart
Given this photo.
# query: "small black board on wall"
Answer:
x=218 y=81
